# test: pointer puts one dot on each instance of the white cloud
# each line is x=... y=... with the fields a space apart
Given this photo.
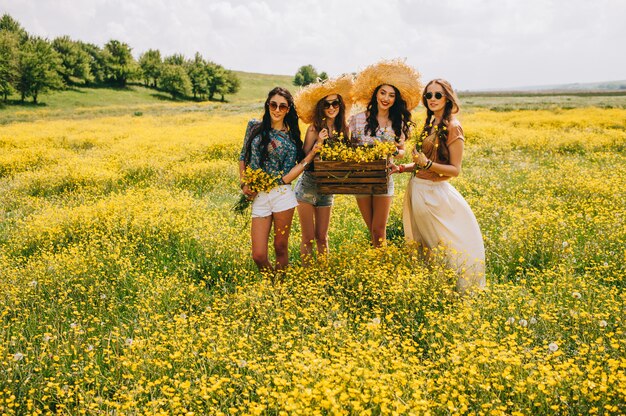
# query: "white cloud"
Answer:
x=473 y=43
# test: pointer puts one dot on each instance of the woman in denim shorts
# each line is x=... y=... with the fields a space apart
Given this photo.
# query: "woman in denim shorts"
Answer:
x=323 y=105
x=274 y=145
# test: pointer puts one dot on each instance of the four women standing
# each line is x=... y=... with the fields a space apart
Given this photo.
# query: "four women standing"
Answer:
x=434 y=212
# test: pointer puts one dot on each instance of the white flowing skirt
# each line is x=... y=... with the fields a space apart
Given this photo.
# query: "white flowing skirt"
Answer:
x=435 y=214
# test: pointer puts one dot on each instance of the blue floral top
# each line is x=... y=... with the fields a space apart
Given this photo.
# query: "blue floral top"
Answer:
x=282 y=153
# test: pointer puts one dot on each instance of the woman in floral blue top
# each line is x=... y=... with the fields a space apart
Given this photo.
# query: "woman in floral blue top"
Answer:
x=274 y=145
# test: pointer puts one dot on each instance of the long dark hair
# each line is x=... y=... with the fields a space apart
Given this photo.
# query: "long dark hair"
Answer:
x=399 y=115
x=340 y=125
x=452 y=107
x=264 y=127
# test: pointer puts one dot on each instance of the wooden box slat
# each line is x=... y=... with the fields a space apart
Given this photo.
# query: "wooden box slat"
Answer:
x=350 y=174
x=351 y=180
x=352 y=189
x=335 y=177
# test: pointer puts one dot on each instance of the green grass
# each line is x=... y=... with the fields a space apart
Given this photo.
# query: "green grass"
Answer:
x=254 y=87
x=510 y=101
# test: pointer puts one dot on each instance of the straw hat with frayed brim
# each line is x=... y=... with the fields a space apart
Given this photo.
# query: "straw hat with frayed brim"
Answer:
x=307 y=98
x=393 y=72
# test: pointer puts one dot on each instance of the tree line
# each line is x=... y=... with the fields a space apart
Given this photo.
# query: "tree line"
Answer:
x=31 y=65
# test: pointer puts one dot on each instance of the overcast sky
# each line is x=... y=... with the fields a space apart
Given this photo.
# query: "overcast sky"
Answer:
x=475 y=44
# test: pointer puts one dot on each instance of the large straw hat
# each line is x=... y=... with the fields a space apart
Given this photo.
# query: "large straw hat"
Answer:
x=307 y=98
x=391 y=72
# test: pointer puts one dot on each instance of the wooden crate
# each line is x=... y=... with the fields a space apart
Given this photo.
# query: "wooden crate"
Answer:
x=351 y=177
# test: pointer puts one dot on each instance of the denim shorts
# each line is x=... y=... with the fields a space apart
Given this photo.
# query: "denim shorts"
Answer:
x=306 y=191
x=390 y=190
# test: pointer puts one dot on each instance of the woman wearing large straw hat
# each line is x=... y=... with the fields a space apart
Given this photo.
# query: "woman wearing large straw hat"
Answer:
x=324 y=106
x=390 y=90
x=435 y=214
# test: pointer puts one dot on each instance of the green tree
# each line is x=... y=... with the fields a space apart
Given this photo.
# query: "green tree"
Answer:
x=231 y=85
x=120 y=64
x=305 y=75
x=198 y=76
x=38 y=66
x=9 y=54
x=74 y=61
x=323 y=76
x=174 y=79
x=216 y=76
x=8 y=24
x=97 y=64
x=176 y=59
x=150 y=64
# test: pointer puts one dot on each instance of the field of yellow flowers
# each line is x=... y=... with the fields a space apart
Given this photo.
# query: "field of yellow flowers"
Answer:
x=127 y=287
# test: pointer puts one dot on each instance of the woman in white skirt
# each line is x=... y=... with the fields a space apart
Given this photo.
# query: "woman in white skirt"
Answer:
x=435 y=214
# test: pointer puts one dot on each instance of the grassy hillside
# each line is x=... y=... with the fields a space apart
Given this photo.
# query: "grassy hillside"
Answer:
x=578 y=86
x=254 y=87
x=138 y=100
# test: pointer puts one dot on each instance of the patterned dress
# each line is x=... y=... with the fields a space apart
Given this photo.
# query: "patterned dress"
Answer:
x=357 y=124
x=282 y=153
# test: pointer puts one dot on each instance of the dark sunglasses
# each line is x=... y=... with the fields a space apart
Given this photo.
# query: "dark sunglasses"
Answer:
x=280 y=107
x=334 y=104
x=429 y=95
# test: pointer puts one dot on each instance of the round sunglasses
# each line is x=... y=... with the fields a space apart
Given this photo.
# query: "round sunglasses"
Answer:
x=273 y=105
x=437 y=95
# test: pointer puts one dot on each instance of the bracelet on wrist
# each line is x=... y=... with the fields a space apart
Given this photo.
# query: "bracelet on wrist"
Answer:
x=401 y=168
x=428 y=165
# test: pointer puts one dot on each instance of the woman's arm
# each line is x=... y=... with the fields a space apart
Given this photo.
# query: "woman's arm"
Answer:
x=311 y=138
x=452 y=170
x=299 y=168
x=401 y=151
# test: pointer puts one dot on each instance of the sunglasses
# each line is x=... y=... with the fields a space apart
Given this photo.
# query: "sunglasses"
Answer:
x=282 y=107
x=334 y=104
x=429 y=95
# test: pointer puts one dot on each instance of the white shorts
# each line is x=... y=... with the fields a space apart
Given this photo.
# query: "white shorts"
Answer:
x=280 y=198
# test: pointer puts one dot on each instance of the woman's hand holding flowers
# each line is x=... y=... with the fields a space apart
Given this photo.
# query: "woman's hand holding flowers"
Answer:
x=323 y=135
x=420 y=159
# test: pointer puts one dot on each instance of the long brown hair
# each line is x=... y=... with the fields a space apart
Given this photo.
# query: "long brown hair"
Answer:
x=452 y=107
x=399 y=115
x=263 y=128
x=340 y=124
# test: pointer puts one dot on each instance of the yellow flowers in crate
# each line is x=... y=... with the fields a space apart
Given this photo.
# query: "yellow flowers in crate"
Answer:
x=343 y=152
x=257 y=181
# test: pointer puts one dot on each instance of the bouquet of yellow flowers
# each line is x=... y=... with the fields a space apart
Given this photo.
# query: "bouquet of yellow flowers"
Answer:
x=343 y=152
x=418 y=138
x=257 y=180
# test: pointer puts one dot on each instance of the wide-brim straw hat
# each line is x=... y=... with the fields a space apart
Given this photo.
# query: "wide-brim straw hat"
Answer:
x=307 y=98
x=390 y=72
